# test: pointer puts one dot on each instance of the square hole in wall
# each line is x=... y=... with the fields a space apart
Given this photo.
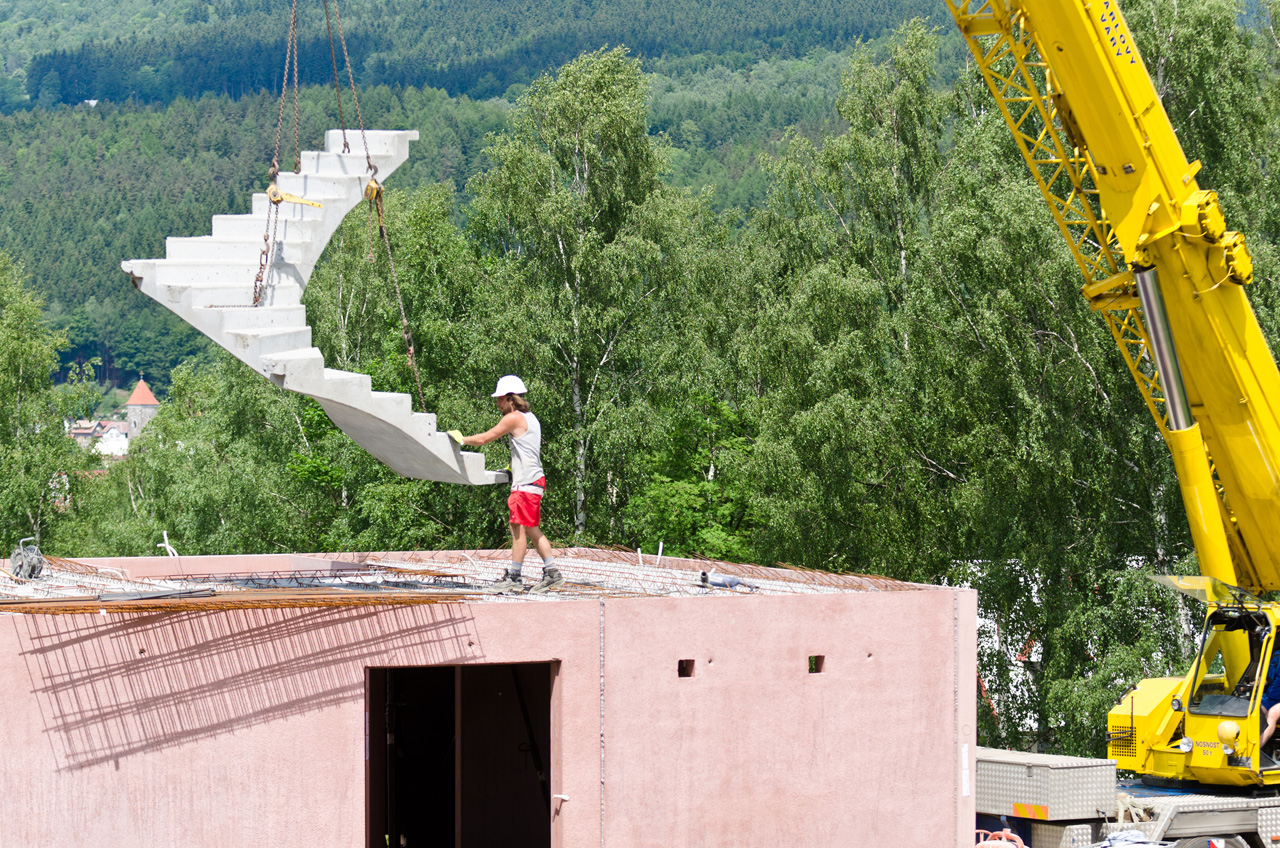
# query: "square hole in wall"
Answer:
x=815 y=663
x=684 y=668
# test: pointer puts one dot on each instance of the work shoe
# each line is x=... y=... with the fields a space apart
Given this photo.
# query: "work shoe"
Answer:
x=551 y=579
x=508 y=583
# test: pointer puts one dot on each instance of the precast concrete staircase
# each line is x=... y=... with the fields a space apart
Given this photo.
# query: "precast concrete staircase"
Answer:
x=208 y=281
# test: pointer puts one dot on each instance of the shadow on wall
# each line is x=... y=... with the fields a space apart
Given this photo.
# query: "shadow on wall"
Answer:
x=112 y=687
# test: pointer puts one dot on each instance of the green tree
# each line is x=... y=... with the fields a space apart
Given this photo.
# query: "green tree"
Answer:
x=230 y=463
x=1053 y=493
x=39 y=463
x=1217 y=83
x=936 y=402
x=845 y=223
x=571 y=206
x=863 y=195
x=50 y=93
x=12 y=95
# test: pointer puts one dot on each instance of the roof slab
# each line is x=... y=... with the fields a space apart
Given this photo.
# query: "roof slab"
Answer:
x=158 y=584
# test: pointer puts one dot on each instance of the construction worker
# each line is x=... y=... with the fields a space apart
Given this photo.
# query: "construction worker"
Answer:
x=528 y=482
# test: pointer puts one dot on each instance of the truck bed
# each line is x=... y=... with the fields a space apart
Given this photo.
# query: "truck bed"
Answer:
x=1073 y=802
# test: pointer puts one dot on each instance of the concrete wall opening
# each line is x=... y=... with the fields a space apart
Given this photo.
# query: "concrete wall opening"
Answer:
x=459 y=755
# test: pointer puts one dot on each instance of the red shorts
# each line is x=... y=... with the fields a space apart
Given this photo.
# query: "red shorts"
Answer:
x=526 y=507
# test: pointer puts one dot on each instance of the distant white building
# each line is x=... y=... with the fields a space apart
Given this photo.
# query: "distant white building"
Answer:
x=112 y=440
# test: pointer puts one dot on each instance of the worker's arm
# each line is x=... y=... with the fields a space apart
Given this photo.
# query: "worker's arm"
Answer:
x=507 y=426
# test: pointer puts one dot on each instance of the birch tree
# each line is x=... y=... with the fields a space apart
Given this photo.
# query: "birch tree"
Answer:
x=573 y=208
x=37 y=458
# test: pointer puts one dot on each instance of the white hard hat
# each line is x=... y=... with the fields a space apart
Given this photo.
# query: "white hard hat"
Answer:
x=510 y=385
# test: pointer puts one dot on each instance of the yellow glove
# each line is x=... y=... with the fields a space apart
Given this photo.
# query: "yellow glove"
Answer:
x=456 y=435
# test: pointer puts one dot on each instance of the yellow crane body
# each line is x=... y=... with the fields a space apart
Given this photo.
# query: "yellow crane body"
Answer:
x=1168 y=277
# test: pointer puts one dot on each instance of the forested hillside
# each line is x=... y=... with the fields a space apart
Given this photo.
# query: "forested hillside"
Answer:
x=149 y=52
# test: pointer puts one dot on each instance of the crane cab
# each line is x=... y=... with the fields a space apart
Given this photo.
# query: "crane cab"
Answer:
x=1206 y=727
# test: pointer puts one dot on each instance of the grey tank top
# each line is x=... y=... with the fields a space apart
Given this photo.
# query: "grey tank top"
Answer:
x=526 y=453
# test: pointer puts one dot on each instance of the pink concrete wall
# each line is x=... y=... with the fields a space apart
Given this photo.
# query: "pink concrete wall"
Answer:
x=247 y=727
x=754 y=750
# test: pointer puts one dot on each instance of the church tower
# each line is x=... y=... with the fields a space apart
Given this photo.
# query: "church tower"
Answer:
x=140 y=408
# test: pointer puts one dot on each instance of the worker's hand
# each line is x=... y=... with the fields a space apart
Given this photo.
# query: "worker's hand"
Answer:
x=456 y=435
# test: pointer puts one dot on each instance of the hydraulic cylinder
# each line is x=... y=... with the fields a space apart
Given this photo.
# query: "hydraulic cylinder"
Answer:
x=1190 y=459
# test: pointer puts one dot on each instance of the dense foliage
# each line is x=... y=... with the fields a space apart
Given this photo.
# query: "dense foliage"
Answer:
x=40 y=468
x=881 y=365
x=152 y=52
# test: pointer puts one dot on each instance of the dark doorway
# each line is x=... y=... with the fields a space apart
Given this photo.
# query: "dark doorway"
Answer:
x=411 y=756
x=459 y=756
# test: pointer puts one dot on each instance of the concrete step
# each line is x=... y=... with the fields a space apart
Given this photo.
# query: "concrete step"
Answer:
x=267 y=342
x=423 y=424
x=388 y=144
x=259 y=317
x=322 y=188
x=196 y=296
x=317 y=162
x=391 y=405
x=254 y=227
x=186 y=299
x=170 y=273
x=224 y=274
x=142 y=273
x=348 y=382
x=299 y=368
x=210 y=249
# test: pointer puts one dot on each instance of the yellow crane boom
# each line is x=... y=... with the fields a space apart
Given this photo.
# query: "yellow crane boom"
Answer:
x=1161 y=267
x=1156 y=256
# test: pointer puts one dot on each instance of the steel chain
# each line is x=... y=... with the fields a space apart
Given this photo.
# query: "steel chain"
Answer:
x=337 y=16
x=293 y=42
x=376 y=202
x=273 y=211
x=337 y=85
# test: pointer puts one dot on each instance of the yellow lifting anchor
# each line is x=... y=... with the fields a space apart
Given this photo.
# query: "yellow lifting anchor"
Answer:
x=276 y=196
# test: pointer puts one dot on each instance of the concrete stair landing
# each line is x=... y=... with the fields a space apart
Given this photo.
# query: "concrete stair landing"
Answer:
x=208 y=282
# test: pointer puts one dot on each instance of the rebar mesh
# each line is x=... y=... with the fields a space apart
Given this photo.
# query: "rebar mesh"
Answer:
x=407 y=578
